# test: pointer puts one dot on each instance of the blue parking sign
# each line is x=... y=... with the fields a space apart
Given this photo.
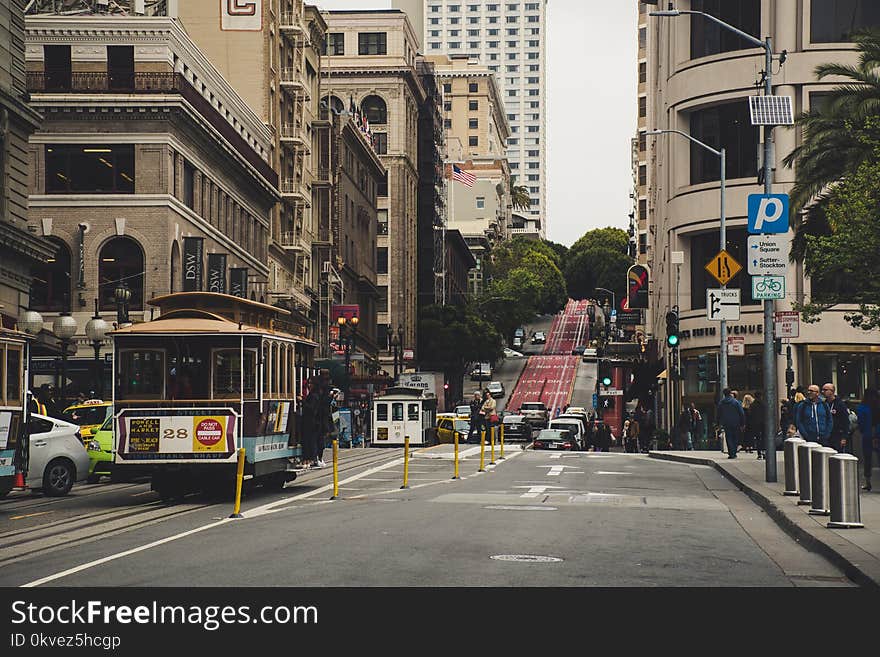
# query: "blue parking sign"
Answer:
x=768 y=213
x=595 y=400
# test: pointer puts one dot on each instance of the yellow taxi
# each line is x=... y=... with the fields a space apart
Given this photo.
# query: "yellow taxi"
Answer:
x=88 y=415
x=448 y=424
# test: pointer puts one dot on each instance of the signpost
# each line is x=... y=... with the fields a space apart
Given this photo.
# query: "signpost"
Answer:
x=722 y=304
x=768 y=213
x=723 y=267
x=768 y=287
x=768 y=254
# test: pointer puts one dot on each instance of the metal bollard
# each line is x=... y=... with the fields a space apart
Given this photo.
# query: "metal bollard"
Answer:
x=843 y=479
x=804 y=474
x=501 y=458
x=482 y=451
x=819 y=501
x=492 y=439
x=405 y=463
x=791 y=464
x=335 y=470
x=239 y=479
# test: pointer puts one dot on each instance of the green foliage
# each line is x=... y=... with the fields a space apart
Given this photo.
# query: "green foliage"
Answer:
x=609 y=237
x=598 y=259
x=455 y=336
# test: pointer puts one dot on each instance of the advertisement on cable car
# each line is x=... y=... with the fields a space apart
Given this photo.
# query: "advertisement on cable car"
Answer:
x=179 y=434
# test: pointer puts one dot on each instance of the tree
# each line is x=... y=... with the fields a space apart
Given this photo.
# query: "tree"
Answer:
x=519 y=197
x=600 y=258
x=609 y=237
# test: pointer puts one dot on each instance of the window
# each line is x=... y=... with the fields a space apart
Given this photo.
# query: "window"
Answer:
x=227 y=376
x=397 y=412
x=494 y=32
x=533 y=43
x=643 y=209
x=473 y=124
x=512 y=7
x=454 y=33
x=372 y=43
x=145 y=374
x=335 y=44
x=382 y=221
x=533 y=128
x=532 y=153
x=473 y=33
x=473 y=140
x=493 y=44
x=513 y=44
x=382 y=299
x=643 y=176
x=380 y=143
x=643 y=141
x=534 y=31
x=481 y=202
x=532 y=55
x=121 y=259
x=512 y=19
x=189 y=175
x=455 y=44
x=382 y=412
x=492 y=7
x=90 y=168
x=728 y=125
x=473 y=7
x=455 y=8
x=708 y=38
x=57 y=67
x=447 y=87
x=494 y=69
x=447 y=106
x=473 y=105
x=643 y=106
x=534 y=165
x=533 y=177
x=382 y=260
x=512 y=142
x=434 y=21
x=703 y=248
x=375 y=110
x=512 y=31
x=454 y=21
x=534 y=92
x=833 y=21
x=447 y=123
x=473 y=87
x=412 y=411
x=435 y=9
x=50 y=281
x=474 y=45
x=643 y=73
x=435 y=45
x=643 y=38
x=13 y=372
x=120 y=67
x=473 y=21
x=531 y=6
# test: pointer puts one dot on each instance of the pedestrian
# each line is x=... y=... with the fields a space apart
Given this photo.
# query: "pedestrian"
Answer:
x=589 y=436
x=696 y=420
x=748 y=442
x=732 y=419
x=756 y=423
x=487 y=410
x=604 y=438
x=324 y=423
x=839 y=419
x=634 y=436
x=53 y=406
x=868 y=413
x=308 y=421
x=686 y=429
x=476 y=418
x=813 y=418
x=556 y=414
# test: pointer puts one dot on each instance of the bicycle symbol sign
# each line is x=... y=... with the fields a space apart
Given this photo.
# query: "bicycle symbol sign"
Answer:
x=768 y=287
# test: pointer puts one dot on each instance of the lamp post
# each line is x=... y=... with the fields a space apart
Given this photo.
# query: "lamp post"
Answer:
x=722 y=154
x=96 y=329
x=122 y=294
x=31 y=322
x=395 y=345
x=607 y=313
x=349 y=343
x=769 y=305
x=64 y=327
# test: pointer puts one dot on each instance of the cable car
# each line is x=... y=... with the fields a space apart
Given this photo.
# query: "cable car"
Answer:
x=403 y=412
x=213 y=373
x=13 y=407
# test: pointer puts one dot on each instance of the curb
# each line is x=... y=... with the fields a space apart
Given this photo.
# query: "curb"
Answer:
x=857 y=564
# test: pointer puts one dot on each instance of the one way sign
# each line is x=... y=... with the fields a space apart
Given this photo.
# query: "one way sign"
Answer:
x=722 y=304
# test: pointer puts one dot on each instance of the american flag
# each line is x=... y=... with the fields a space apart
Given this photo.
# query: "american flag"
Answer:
x=464 y=177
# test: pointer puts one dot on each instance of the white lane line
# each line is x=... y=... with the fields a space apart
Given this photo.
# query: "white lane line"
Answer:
x=555 y=471
x=603 y=472
x=556 y=456
x=535 y=491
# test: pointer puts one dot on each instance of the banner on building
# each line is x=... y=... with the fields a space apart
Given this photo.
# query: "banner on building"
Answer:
x=344 y=310
x=238 y=277
x=241 y=15
x=637 y=287
x=193 y=262
x=217 y=273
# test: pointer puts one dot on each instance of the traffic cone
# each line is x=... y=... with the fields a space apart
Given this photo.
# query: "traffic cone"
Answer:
x=18 y=482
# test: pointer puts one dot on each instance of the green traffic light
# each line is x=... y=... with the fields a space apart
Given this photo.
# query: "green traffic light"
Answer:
x=606 y=381
x=672 y=340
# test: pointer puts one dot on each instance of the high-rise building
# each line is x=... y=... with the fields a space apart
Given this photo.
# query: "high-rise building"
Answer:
x=510 y=39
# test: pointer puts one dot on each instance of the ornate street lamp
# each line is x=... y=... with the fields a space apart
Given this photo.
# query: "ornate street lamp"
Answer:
x=96 y=329
x=400 y=347
x=31 y=322
x=64 y=327
x=395 y=345
x=350 y=341
x=122 y=294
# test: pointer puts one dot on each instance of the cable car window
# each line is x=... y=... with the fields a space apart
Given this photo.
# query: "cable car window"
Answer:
x=141 y=374
x=381 y=412
x=13 y=375
x=267 y=371
x=397 y=412
x=226 y=376
x=413 y=412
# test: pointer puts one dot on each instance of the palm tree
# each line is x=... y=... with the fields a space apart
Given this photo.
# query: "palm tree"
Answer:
x=519 y=197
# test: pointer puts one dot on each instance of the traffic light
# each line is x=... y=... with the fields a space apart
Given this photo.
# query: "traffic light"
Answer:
x=703 y=368
x=605 y=373
x=672 y=334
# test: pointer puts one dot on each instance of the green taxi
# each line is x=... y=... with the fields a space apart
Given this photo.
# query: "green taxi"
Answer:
x=100 y=449
x=88 y=416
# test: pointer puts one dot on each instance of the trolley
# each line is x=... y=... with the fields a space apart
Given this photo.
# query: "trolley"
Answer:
x=13 y=407
x=403 y=412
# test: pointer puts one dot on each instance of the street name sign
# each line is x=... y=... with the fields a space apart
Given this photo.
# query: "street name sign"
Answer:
x=768 y=213
x=736 y=345
x=612 y=392
x=768 y=254
x=787 y=324
x=723 y=267
x=722 y=304
x=768 y=287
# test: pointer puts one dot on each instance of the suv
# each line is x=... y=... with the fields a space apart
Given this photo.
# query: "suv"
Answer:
x=481 y=371
x=536 y=413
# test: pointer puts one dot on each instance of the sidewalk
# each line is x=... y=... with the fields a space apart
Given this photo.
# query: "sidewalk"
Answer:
x=855 y=551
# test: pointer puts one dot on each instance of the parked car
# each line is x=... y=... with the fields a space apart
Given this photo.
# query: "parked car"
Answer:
x=510 y=353
x=448 y=425
x=578 y=350
x=481 y=371
x=517 y=341
x=536 y=413
x=519 y=333
x=516 y=427
x=573 y=425
x=57 y=458
x=496 y=389
x=88 y=416
x=539 y=337
x=462 y=409
x=589 y=355
x=554 y=439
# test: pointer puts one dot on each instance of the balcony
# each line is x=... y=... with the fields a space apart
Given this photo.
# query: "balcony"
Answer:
x=289 y=25
x=292 y=82
x=299 y=240
x=292 y=190
x=322 y=177
x=292 y=135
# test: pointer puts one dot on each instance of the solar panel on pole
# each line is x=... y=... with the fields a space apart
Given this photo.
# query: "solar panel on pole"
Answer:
x=771 y=110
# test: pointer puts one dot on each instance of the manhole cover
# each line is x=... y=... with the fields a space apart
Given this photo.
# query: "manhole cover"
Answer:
x=520 y=507
x=529 y=558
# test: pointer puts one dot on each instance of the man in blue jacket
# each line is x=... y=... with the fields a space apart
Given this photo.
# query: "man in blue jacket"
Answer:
x=732 y=417
x=812 y=417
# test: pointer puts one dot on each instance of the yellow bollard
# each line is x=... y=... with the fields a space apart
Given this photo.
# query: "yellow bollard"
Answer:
x=482 y=449
x=239 y=478
x=492 y=440
x=501 y=458
x=456 y=456
x=405 y=462
x=335 y=470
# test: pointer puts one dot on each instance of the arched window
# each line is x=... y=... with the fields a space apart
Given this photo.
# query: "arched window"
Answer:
x=335 y=102
x=50 y=285
x=375 y=109
x=121 y=260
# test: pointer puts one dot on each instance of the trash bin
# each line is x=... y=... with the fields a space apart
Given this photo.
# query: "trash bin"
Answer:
x=819 y=501
x=804 y=478
x=791 y=464
x=843 y=481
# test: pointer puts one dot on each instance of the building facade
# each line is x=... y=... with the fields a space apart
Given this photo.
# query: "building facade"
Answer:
x=148 y=171
x=20 y=249
x=371 y=67
x=697 y=78
x=509 y=38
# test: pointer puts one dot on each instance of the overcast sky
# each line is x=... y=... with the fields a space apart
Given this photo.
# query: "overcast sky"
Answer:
x=591 y=59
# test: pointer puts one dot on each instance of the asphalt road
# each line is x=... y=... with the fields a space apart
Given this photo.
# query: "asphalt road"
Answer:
x=535 y=519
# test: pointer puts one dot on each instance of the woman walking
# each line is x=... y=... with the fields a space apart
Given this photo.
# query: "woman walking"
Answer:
x=868 y=413
x=751 y=421
x=490 y=419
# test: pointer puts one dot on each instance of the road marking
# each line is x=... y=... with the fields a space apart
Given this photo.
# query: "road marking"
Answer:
x=31 y=515
x=535 y=491
x=556 y=470
x=603 y=472
x=146 y=492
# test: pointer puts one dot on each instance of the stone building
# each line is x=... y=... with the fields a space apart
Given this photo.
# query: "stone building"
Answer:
x=148 y=170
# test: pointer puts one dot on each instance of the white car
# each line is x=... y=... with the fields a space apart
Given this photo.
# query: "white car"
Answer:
x=57 y=457
x=496 y=389
x=463 y=409
x=511 y=353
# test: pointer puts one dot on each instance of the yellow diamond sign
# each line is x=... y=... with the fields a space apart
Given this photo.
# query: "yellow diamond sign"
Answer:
x=723 y=267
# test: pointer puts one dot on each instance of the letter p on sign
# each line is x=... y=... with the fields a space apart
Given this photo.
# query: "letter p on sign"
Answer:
x=768 y=213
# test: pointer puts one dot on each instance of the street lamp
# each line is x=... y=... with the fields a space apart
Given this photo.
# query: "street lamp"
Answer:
x=350 y=341
x=96 y=329
x=31 y=322
x=122 y=294
x=607 y=310
x=722 y=154
x=64 y=327
x=395 y=345
x=769 y=304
